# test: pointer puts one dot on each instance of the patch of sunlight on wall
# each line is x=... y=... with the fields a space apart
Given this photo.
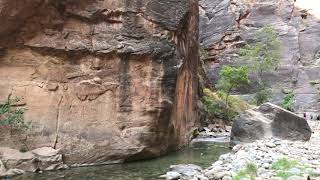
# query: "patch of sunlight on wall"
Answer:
x=313 y=6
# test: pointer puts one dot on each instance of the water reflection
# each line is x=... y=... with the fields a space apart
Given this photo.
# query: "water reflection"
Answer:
x=199 y=152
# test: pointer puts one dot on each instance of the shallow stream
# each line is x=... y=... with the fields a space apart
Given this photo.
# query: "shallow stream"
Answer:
x=200 y=152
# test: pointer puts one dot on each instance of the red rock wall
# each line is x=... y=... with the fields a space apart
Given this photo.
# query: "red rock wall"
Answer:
x=102 y=80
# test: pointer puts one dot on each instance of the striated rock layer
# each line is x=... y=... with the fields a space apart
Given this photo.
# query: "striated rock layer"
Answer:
x=104 y=81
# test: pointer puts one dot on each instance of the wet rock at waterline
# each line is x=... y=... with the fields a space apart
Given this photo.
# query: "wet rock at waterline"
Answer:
x=104 y=81
x=182 y=171
x=14 y=162
x=269 y=158
x=269 y=120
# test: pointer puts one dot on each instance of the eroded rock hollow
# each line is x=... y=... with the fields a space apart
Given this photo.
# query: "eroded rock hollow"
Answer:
x=102 y=80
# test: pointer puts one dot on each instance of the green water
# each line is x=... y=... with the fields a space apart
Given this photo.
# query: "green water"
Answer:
x=199 y=153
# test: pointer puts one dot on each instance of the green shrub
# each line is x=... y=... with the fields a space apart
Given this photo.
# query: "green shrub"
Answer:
x=250 y=171
x=11 y=116
x=262 y=96
x=288 y=102
x=215 y=105
x=284 y=164
x=231 y=78
x=263 y=56
x=282 y=167
x=284 y=174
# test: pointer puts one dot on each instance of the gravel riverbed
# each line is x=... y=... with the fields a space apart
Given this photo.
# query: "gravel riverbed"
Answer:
x=266 y=159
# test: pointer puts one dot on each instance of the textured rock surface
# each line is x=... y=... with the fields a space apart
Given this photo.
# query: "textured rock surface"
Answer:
x=40 y=159
x=269 y=120
x=226 y=25
x=103 y=81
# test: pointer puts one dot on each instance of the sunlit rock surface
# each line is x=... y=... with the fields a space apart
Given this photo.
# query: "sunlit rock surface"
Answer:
x=104 y=81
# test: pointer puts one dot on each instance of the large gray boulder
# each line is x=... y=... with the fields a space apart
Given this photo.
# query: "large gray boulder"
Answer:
x=269 y=120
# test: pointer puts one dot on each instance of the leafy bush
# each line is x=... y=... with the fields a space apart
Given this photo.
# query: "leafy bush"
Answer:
x=215 y=105
x=288 y=102
x=231 y=78
x=262 y=96
x=11 y=116
x=250 y=171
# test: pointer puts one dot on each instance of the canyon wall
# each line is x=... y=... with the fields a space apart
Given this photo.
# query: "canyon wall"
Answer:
x=227 y=25
x=102 y=80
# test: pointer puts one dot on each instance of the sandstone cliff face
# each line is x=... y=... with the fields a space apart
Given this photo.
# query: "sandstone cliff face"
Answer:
x=106 y=80
x=226 y=25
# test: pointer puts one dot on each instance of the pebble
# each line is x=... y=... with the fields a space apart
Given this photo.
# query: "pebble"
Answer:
x=295 y=171
x=264 y=153
x=271 y=145
x=296 y=178
x=266 y=165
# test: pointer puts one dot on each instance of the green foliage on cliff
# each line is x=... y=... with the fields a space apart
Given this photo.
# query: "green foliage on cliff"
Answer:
x=262 y=95
x=288 y=102
x=216 y=108
x=264 y=55
x=12 y=117
x=231 y=78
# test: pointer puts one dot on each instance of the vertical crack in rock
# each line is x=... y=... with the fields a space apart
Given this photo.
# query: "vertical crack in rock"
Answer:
x=57 y=123
x=184 y=115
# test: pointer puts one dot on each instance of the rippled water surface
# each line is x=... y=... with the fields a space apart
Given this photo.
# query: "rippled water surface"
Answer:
x=202 y=153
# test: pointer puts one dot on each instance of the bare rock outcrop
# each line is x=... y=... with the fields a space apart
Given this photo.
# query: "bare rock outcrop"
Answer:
x=104 y=81
x=15 y=162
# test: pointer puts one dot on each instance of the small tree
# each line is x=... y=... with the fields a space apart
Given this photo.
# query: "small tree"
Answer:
x=264 y=55
x=231 y=78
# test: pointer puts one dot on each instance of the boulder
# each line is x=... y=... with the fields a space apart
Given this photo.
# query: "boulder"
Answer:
x=12 y=172
x=40 y=159
x=269 y=120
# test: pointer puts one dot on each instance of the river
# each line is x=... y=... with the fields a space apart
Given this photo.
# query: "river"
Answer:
x=202 y=153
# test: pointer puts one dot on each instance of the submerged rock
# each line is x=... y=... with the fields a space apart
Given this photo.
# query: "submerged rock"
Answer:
x=269 y=120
